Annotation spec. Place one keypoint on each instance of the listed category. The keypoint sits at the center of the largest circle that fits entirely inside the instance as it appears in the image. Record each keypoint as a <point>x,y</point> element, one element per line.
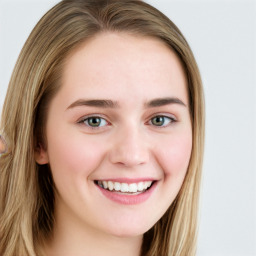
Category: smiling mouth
<point>125,188</point>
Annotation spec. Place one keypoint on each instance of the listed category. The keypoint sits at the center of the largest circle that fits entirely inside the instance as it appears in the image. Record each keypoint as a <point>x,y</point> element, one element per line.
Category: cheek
<point>174,155</point>
<point>73,155</point>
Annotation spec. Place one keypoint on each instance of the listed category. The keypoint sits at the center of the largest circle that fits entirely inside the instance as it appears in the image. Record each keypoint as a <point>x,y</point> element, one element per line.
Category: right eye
<point>94,122</point>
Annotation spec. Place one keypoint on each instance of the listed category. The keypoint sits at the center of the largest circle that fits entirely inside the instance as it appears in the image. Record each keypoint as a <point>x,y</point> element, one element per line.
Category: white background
<point>222,35</point>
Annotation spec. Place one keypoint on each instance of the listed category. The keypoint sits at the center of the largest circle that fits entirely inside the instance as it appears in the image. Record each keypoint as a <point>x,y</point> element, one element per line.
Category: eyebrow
<point>102,103</point>
<point>164,101</point>
<point>94,103</point>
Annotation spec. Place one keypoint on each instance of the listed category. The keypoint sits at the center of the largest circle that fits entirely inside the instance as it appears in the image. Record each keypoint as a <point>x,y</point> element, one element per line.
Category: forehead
<point>123,63</point>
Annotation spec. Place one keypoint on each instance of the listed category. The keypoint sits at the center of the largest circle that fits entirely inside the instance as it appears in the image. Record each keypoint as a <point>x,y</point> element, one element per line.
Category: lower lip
<point>128,199</point>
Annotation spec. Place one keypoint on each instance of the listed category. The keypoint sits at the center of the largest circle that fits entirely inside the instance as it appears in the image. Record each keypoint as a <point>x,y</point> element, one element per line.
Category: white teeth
<point>110,185</point>
<point>140,186</point>
<point>147,184</point>
<point>105,184</point>
<point>117,186</point>
<point>125,187</point>
<point>133,187</point>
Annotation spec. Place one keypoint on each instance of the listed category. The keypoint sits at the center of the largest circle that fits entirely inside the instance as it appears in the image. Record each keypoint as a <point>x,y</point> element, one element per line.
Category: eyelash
<point>86,120</point>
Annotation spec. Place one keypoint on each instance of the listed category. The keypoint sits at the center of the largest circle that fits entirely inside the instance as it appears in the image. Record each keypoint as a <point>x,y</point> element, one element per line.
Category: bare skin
<point>3,147</point>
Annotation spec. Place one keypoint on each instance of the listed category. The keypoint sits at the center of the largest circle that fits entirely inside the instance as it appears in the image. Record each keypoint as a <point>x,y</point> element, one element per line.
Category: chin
<point>128,230</point>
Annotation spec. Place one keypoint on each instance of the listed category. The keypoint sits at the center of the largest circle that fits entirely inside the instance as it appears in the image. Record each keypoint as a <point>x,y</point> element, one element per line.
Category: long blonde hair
<point>26,189</point>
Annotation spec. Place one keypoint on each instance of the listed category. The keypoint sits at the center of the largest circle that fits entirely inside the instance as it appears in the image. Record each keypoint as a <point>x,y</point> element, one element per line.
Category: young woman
<point>104,117</point>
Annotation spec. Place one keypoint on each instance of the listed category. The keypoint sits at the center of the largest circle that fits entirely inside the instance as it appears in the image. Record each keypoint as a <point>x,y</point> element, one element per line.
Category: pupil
<point>159,120</point>
<point>94,121</point>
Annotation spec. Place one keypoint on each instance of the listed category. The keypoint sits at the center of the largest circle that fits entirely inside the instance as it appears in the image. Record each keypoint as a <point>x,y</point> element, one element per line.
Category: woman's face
<point>119,134</point>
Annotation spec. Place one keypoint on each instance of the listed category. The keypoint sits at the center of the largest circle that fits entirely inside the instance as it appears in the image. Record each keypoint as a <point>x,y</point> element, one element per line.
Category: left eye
<point>95,121</point>
<point>161,120</point>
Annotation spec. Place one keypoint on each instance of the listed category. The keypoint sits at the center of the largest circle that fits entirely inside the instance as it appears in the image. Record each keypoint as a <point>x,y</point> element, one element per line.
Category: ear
<point>41,155</point>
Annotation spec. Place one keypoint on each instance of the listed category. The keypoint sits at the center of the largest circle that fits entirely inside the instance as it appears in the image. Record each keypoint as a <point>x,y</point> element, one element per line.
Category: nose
<point>129,148</point>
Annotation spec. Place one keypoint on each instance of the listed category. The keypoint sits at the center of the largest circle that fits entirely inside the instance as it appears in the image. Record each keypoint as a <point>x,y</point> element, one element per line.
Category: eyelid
<point>171,116</point>
<point>89,116</point>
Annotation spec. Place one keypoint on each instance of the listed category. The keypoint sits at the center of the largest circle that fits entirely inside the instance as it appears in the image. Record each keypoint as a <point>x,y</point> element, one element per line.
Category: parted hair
<point>26,188</point>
